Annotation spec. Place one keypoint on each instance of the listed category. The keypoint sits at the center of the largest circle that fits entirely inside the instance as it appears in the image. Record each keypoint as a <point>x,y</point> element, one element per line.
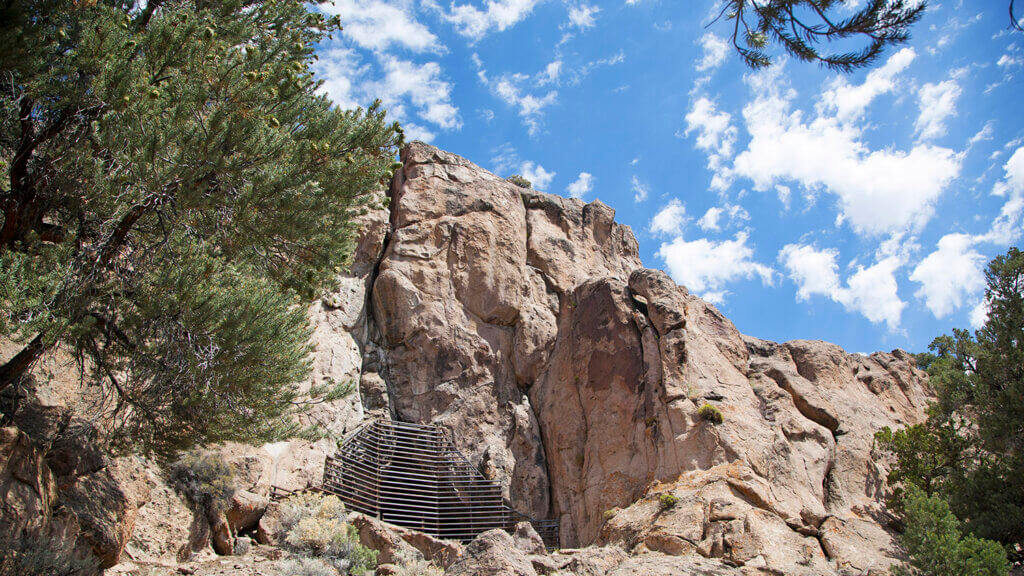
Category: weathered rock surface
<point>493,553</point>
<point>163,525</point>
<point>526,325</point>
<point>27,486</point>
<point>466,302</point>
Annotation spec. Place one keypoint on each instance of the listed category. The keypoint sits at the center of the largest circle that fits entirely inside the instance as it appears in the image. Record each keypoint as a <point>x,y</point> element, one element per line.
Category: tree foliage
<point>858,32</point>
<point>970,452</point>
<point>937,547</point>
<point>175,189</point>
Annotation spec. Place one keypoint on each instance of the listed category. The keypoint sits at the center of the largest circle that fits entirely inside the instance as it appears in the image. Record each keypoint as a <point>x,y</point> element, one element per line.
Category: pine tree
<point>970,452</point>
<point>802,27</point>
<point>176,189</point>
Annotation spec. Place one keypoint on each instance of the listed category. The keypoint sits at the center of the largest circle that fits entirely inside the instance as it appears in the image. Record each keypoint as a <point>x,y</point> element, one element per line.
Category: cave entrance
<point>412,475</point>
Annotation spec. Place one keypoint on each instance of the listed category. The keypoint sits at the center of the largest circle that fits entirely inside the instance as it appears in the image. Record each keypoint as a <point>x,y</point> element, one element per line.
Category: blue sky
<point>858,209</point>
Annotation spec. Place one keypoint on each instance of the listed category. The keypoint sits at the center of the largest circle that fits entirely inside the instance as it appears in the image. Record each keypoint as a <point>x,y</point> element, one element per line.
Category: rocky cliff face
<point>526,324</point>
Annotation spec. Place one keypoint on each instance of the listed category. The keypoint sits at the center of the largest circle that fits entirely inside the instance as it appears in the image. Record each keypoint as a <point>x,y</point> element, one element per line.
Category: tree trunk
<point>16,367</point>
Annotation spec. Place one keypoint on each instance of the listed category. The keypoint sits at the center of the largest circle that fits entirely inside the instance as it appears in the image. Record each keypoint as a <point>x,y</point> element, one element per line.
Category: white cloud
<point>577,75</point>
<point>404,84</point>
<point>706,266</point>
<point>716,136</point>
<point>340,68</point>
<point>715,50</point>
<point>414,131</point>
<point>582,16</point>
<point>979,315</point>
<point>551,73</point>
<point>498,15</point>
<point>1007,226</point>
<point>379,25</point>
<point>505,159</point>
<point>529,106</point>
<point>709,221</point>
<point>536,174</point>
<point>584,183</point>
<point>871,291</point>
<point>950,274</point>
<point>879,191</point>
<point>850,102</point>
<point>937,103</point>
<point>982,135</point>
<point>1008,61</point>
<point>510,89</point>
<point>422,85</point>
<point>814,271</point>
<point>785,193</point>
<point>714,130</point>
<point>640,190</point>
<point>669,220</point>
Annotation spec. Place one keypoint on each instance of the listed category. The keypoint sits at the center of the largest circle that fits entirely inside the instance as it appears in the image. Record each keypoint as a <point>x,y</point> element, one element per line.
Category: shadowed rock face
<point>525,324</point>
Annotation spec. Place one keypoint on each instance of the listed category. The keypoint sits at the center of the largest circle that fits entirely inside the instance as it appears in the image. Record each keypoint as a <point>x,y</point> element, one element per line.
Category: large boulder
<point>107,502</point>
<point>493,553</point>
<point>163,525</point>
<point>27,486</point>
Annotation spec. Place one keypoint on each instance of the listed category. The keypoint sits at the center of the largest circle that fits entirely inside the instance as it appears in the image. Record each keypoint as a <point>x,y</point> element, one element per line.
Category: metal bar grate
<point>412,475</point>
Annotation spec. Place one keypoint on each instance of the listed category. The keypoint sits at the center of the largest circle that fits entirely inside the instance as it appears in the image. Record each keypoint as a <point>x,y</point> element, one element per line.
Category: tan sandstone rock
<point>493,553</point>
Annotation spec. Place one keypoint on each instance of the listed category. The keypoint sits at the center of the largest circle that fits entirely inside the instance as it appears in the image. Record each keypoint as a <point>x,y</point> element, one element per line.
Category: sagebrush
<point>315,528</point>
<point>205,479</point>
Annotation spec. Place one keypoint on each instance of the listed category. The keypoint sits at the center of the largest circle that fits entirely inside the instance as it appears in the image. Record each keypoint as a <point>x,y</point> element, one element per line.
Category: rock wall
<point>525,324</point>
<point>467,297</point>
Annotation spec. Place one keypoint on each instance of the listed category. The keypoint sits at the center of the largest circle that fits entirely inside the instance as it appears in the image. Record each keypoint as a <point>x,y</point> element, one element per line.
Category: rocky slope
<point>526,324</point>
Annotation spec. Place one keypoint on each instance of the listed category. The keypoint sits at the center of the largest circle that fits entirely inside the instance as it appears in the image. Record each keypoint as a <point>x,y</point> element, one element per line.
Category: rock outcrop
<point>526,325</point>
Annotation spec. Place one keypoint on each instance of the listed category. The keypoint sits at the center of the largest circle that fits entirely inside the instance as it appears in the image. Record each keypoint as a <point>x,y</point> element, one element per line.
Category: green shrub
<point>936,546</point>
<point>42,556</point>
<point>361,559</point>
<point>205,479</point>
<point>610,513</point>
<point>710,413</point>
<point>520,181</point>
<point>668,501</point>
<point>315,527</point>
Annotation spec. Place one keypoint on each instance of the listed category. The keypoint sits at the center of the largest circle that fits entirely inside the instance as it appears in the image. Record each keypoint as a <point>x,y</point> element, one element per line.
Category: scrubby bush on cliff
<point>314,526</point>
<point>174,188</point>
<point>936,546</point>
<point>205,479</point>
<point>520,181</point>
<point>710,413</point>
<point>668,501</point>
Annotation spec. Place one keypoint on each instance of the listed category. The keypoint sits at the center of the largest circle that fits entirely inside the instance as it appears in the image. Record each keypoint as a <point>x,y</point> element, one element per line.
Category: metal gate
<point>412,475</point>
